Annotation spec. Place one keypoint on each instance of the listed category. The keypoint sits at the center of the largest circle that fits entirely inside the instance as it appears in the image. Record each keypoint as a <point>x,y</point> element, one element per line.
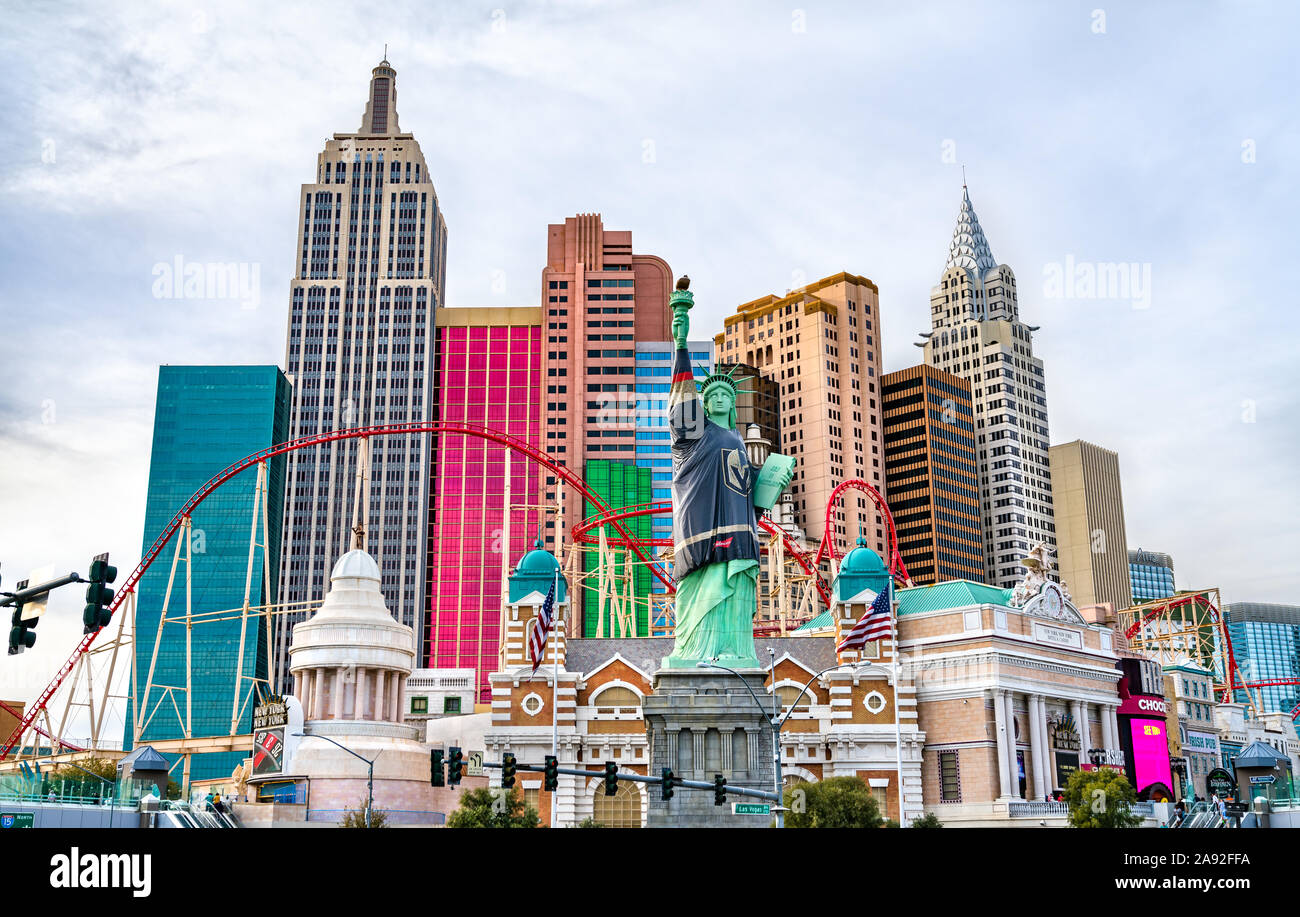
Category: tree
<point>493,807</point>
<point>589,822</point>
<point>65,780</point>
<point>928,820</point>
<point>1101,798</point>
<point>839,802</point>
<point>356,818</point>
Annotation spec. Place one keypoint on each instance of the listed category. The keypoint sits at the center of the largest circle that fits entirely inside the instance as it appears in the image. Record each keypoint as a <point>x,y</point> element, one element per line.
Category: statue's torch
<point>680,302</point>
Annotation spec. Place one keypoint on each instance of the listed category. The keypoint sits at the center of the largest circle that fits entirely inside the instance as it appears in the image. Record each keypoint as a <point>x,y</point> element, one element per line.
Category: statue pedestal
<point>702,722</point>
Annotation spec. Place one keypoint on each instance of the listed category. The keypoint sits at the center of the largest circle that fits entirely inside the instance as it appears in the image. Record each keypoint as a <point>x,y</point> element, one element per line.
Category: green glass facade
<point>619,484</point>
<point>207,417</point>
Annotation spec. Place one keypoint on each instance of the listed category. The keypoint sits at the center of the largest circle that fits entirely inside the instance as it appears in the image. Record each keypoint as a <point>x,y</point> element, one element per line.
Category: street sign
<point>17,820</point>
<point>474,764</point>
<point>751,808</point>
<point>1268,778</point>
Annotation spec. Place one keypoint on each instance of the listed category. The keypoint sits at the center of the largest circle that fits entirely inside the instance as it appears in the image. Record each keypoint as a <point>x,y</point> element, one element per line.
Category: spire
<point>969,248</point>
<point>380,118</point>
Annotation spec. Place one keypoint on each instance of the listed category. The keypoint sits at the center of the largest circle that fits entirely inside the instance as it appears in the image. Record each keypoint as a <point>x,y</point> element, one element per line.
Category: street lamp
<point>370,768</point>
<point>779,721</point>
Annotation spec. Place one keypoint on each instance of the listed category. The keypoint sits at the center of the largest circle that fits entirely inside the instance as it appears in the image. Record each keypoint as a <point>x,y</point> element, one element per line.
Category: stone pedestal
<point>702,722</point>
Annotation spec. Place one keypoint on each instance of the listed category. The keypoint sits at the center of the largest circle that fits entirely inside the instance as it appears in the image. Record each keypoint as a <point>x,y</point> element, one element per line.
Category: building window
<point>451,705</point>
<point>949,780</point>
<point>622,810</point>
<point>419,705</point>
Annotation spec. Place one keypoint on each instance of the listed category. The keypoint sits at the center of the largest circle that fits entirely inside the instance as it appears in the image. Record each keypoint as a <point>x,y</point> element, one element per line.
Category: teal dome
<point>535,573</point>
<point>862,568</point>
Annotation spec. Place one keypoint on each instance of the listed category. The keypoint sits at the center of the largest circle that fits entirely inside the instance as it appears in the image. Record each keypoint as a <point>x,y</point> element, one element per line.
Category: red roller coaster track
<point>464,429</point>
<point>1234,679</point>
<point>605,516</point>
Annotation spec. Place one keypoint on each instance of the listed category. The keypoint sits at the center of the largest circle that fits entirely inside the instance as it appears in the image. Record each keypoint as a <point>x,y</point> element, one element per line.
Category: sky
<point>755,146</point>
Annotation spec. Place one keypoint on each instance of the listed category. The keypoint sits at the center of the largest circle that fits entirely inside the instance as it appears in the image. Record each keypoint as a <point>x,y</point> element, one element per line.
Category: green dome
<point>863,560</point>
<point>862,568</point>
<point>535,573</point>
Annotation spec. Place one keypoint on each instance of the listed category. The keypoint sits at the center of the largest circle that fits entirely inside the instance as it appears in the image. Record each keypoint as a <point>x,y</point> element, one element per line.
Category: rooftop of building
<point>765,304</point>
<point>1150,558</point>
<point>586,654</point>
<point>1261,613</point>
<point>957,593</point>
<point>969,248</point>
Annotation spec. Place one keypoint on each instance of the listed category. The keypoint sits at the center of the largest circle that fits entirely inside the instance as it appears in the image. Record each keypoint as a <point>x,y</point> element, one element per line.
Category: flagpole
<point>555,687</point>
<point>898,731</point>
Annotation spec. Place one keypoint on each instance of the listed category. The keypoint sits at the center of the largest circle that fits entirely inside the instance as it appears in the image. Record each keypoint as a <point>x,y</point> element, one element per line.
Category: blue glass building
<point>1151,575</point>
<point>1266,643</point>
<point>207,417</point>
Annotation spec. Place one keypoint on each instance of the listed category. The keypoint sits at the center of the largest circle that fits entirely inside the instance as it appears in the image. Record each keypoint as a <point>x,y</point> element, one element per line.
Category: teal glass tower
<point>208,417</point>
<point>1266,643</point>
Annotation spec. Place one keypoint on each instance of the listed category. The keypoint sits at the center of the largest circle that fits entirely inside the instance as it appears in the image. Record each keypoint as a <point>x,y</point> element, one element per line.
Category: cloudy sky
<point>754,145</point>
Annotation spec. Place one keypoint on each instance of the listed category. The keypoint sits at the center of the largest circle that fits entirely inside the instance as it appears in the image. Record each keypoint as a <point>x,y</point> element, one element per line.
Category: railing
<point>104,801</point>
<point>1037,809</point>
<point>391,816</point>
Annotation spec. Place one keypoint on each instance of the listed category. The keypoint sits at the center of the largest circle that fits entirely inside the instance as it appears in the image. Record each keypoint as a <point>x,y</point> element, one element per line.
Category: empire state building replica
<point>370,273</point>
<point>976,333</point>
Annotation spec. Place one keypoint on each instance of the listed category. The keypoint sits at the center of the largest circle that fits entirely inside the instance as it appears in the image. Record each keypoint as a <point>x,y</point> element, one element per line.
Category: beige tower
<point>1092,550</point>
<point>821,345</point>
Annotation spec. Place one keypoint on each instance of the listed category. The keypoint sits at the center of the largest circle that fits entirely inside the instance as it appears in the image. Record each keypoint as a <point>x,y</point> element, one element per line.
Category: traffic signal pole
<point>638,778</point>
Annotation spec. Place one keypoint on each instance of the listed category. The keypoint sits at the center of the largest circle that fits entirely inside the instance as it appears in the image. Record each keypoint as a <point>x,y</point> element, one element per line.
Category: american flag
<point>871,626</point>
<point>541,627</point>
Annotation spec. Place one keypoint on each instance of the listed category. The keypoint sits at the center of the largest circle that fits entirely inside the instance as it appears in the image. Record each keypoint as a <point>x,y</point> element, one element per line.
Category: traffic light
<point>551,774</point>
<point>611,778</point>
<point>455,763</point>
<point>21,636</point>
<point>436,775</point>
<point>668,783</point>
<point>98,595</point>
<point>508,770</point>
<point>719,790</point>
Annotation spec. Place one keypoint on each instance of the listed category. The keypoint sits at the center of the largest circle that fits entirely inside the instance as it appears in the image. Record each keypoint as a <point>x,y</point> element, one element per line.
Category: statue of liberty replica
<point>717,499</point>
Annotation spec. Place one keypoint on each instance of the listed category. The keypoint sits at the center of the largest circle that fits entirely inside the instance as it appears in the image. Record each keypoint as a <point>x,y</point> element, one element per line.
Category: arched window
<point>788,693</point>
<point>622,810</point>
<point>616,700</point>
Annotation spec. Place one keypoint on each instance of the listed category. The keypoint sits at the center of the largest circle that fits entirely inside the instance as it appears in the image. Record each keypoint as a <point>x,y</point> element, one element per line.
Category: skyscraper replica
<point>370,275</point>
<point>821,345</point>
<point>976,333</point>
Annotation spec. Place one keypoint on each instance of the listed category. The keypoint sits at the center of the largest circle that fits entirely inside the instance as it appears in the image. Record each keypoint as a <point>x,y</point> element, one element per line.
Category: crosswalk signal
<point>98,595</point>
<point>436,775</point>
<point>455,764</point>
<point>719,790</point>
<point>508,767</point>
<point>668,783</point>
<point>551,774</point>
<point>611,778</point>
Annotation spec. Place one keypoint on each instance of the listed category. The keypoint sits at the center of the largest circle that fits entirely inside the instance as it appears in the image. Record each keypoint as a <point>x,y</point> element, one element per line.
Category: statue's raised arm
<point>685,409</point>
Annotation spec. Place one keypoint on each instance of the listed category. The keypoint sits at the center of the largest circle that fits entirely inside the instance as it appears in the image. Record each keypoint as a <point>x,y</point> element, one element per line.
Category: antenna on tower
<point>963,165</point>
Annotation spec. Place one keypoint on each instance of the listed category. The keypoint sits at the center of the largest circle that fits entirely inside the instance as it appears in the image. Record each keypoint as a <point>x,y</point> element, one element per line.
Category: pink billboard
<point>1150,753</point>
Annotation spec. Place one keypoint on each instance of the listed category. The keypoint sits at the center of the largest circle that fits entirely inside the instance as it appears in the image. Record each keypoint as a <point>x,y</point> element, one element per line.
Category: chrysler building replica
<point>370,272</point>
<point>976,333</point>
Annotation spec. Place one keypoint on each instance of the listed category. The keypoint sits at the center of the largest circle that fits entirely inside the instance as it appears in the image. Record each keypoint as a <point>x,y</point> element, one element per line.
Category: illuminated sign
<point>1144,706</point>
<point>1150,753</point>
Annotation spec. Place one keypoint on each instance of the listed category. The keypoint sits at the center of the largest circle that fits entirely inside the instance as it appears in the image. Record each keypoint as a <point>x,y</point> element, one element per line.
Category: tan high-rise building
<point>1092,550</point>
<point>821,345</point>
